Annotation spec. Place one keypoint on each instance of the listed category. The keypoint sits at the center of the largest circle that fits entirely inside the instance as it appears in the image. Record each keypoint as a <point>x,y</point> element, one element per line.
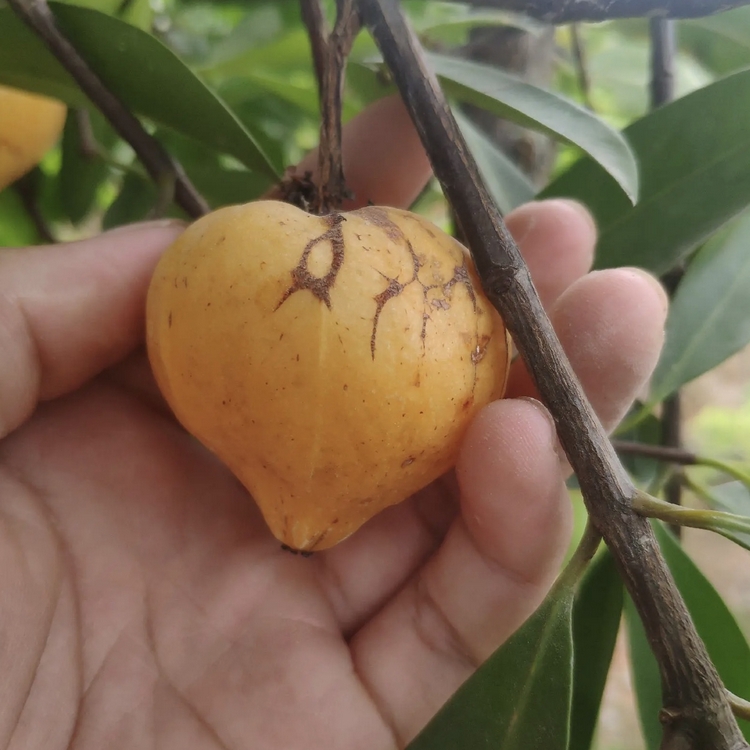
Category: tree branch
<point>696,712</point>
<point>573,11</point>
<point>159,164</point>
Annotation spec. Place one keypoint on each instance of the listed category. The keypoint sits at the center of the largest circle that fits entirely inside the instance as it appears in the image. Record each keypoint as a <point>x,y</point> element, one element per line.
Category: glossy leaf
<point>596,620</point>
<point>709,319</point>
<point>693,155</point>
<point>492,89</point>
<point>519,699</point>
<point>507,184</point>
<point>716,625</point>
<point>165,90</point>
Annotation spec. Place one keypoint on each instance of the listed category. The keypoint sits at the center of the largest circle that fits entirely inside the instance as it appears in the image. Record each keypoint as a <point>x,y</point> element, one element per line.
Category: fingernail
<point>542,409</point>
<point>579,209</point>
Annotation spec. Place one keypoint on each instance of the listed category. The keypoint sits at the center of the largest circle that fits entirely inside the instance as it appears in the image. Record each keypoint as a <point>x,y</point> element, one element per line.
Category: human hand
<point>144,602</point>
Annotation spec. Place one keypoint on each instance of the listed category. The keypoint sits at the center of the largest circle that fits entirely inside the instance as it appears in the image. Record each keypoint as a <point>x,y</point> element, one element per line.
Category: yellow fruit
<point>333,363</point>
<point>29,126</point>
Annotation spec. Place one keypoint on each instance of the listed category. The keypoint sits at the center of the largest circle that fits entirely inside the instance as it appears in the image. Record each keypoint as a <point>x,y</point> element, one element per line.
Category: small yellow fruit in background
<point>29,126</point>
<point>332,362</point>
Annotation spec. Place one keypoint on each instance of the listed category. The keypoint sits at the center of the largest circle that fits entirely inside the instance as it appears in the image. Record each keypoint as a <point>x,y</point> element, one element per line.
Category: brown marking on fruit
<point>377,216</point>
<point>461,276</point>
<point>301,276</point>
<point>393,289</point>
<point>169,319</point>
<point>441,304</point>
<point>408,462</point>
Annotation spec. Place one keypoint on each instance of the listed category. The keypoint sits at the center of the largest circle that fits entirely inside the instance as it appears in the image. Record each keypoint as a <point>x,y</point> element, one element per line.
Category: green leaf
<point>596,620</point>
<point>135,200</point>
<point>506,96</point>
<point>149,78</point>
<point>519,699</point>
<point>693,155</point>
<point>16,227</point>
<point>646,679</point>
<point>507,184</point>
<point>721,42</point>
<point>733,498</point>
<point>219,184</point>
<point>716,625</point>
<point>709,319</point>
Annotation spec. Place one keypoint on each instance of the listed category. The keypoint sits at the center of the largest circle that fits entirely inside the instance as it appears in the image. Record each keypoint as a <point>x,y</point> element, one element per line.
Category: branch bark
<point>573,11</point>
<point>161,166</point>
<point>696,714</point>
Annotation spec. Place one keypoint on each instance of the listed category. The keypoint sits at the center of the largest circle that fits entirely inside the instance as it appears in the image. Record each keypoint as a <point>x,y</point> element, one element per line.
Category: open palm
<point>144,602</point>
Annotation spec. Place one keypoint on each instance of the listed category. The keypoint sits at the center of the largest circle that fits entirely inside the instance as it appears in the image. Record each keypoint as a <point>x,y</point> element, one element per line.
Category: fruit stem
<point>330,52</point>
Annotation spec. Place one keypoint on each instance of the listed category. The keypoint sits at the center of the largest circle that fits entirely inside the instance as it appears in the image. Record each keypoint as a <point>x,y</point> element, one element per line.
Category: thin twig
<point>660,452</point>
<point>662,32</point>
<point>663,47</point>
<point>157,161</point>
<point>314,18</point>
<point>581,64</point>
<point>27,190</point>
<point>330,52</point>
<point>573,11</point>
<point>89,146</point>
<point>696,713</point>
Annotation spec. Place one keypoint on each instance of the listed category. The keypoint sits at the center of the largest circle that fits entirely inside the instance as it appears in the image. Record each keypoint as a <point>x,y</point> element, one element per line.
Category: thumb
<point>69,311</point>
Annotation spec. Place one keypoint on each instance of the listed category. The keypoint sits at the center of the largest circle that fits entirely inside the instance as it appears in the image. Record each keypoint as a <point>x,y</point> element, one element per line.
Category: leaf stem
<point>710,520</point>
<point>582,556</point>
<point>740,706</point>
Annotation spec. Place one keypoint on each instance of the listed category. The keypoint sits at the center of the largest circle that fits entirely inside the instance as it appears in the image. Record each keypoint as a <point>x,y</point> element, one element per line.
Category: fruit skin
<point>333,363</point>
<point>29,126</point>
